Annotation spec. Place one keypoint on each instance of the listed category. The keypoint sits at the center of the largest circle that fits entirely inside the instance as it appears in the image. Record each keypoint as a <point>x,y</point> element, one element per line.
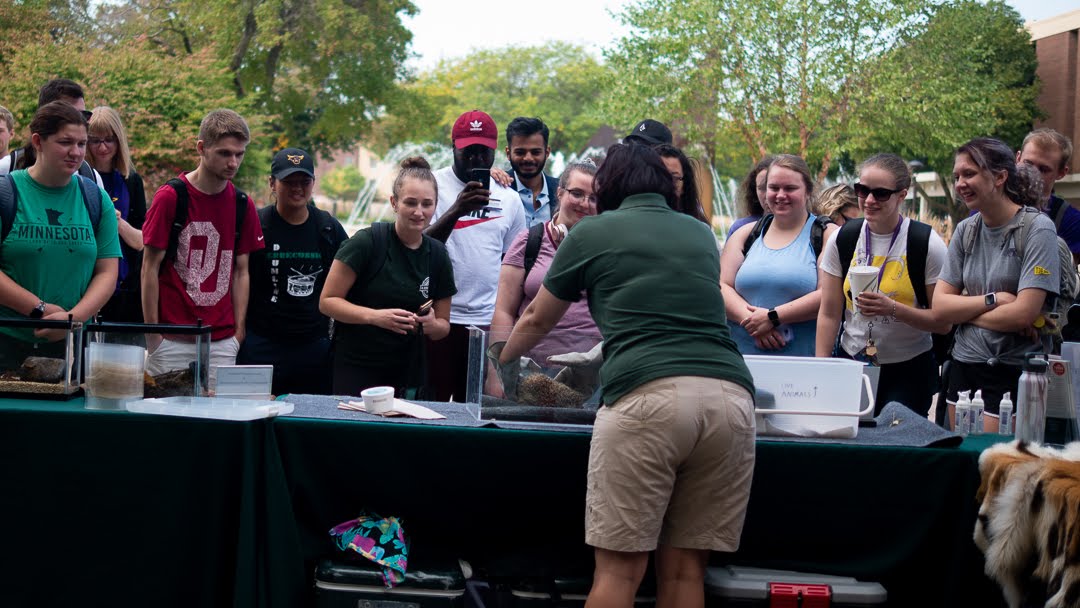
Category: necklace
<point>870,248</point>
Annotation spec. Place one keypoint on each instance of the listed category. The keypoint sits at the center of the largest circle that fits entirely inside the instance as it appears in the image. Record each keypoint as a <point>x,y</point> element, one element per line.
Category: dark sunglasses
<point>880,194</point>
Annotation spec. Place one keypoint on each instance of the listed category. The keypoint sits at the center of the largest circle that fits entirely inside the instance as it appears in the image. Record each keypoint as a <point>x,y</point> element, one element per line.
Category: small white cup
<point>378,399</point>
<point>862,278</point>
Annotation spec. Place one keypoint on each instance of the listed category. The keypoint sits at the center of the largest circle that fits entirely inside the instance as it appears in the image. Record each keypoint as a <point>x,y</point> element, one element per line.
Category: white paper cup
<point>862,278</point>
<point>378,399</point>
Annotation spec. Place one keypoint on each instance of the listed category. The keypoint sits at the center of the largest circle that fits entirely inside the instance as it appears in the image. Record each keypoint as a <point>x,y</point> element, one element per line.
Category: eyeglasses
<point>880,194</point>
<point>579,194</point>
<point>303,182</point>
<point>101,141</point>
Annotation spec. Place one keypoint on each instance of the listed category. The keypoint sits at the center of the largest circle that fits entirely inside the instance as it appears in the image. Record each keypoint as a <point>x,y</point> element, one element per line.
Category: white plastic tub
<point>808,396</point>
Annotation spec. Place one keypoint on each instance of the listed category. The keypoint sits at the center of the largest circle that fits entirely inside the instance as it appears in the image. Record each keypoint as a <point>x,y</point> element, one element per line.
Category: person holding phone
<point>478,219</point>
<point>388,288</point>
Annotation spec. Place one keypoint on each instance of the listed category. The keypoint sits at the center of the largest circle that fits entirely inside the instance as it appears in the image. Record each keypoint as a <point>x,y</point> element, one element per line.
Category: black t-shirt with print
<point>401,283</point>
<point>287,277</point>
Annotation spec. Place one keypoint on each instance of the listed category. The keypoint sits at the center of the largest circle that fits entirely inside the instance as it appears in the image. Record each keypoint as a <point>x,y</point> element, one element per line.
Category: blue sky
<point>445,29</point>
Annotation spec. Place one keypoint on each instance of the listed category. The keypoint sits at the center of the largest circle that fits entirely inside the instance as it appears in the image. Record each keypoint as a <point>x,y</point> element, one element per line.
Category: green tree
<point>778,75</point>
<point>321,70</point>
<point>342,183</point>
<point>969,72</point>
<point>559,82</point>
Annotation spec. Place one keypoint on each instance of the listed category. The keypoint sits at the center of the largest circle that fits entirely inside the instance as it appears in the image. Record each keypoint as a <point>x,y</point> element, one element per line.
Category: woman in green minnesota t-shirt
<point>380,327</point>
<point>54,262</point>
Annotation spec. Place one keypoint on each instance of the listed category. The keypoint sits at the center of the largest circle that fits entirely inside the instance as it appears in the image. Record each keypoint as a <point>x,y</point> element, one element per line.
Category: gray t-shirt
<point>995,266</point>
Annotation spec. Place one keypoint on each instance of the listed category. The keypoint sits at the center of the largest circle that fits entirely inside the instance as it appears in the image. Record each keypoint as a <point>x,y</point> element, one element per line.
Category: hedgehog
<point>538,389</point>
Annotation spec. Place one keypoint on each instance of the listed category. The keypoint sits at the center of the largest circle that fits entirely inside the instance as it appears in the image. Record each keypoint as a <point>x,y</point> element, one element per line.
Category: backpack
<point>180,219</point>
<point>532,247</point>
<point>817,233</point>
<point>1057,306</point>
<point>324,224</point>
<point>918,246</point>
<point>380,237</point>
<point>9,197</point>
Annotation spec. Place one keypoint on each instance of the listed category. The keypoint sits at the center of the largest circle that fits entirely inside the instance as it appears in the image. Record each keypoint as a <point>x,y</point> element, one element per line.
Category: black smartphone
<point>483,176</point>
<point>424,308</point>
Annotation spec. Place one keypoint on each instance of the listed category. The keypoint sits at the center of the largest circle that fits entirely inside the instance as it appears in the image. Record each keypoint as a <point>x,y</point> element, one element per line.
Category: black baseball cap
<point>649,132</point>
<point>292,160</point>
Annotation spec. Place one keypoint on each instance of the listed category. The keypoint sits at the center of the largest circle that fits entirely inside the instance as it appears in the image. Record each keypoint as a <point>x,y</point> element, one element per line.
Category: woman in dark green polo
<point>672,453</point>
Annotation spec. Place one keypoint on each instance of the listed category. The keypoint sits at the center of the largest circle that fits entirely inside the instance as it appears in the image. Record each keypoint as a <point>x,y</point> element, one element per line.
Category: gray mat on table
<point>326,407</point>
<point>897,426</point>
<point>909,430</point>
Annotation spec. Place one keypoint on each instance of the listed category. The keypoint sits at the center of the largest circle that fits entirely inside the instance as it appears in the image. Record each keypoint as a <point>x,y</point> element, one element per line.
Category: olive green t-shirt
<point>403,282</point>
<point>652,277</point>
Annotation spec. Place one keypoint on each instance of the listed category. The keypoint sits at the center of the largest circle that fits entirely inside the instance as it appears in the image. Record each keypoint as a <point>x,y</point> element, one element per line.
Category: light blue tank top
<point>771,277</point>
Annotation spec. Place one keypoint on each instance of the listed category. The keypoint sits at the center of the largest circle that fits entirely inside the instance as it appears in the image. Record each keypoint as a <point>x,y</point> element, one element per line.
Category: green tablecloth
<point>118,509</point>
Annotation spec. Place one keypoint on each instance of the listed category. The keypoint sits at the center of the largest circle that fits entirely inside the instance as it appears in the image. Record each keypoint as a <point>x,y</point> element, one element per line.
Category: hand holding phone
<point>425,308</point>
<point>483,176</point>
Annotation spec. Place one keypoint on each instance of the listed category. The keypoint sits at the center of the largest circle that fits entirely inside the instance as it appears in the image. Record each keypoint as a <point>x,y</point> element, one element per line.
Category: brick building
<point>1057,45</point>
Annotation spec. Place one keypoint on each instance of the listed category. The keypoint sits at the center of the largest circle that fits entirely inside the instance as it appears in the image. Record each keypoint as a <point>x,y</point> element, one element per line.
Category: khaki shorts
<point>671,462</point>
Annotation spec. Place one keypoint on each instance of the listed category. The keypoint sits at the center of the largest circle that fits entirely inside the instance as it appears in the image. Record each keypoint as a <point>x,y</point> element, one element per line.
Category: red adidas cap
<point>475,127</point>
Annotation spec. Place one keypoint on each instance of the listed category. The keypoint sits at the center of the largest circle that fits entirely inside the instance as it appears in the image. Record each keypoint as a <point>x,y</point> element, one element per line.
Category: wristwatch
<point>38,311</point>
<point>990,299</point>
<point>774,317</point>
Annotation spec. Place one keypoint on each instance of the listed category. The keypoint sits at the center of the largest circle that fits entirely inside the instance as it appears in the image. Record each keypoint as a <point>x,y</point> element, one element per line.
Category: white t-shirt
<point>896,341</point>
<point>476,247</point>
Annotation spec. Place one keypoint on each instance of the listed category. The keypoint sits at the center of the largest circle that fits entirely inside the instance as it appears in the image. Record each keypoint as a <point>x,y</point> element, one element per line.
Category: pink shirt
<point>576,331</point>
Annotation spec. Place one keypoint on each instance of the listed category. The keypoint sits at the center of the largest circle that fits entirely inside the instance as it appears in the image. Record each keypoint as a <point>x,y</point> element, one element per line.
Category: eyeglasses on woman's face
<point>101,141</point>
<point>578,195</point>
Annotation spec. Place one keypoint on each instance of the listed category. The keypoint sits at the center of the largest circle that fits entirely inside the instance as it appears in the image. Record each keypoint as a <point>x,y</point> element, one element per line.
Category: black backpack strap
<point>91,194</point>
<point>760,228</point>
<point>380,239</point>
<point>328,245</point>
<point>85,170</point>
<point>15,156</point>
<point>532,246</point>
<point>918,247</point>
<point>9,197</point>
<point>817,234</point>
<point>846,242</point>
<point>241,212</point>
<point>179,218</point>
<point>1057,210</point>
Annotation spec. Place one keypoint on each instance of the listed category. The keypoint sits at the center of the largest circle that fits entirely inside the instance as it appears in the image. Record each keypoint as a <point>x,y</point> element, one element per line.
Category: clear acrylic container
<point>32,369</point>
<point>558,380</point>
<point>112,347</point>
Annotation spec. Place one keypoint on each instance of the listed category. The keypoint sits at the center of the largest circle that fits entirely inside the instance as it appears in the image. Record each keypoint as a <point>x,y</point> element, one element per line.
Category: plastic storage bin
<point>218,408</point>
<point>734,586</point>
<point>821,396</point>
<point>31,369</point>
<point>346,584</point>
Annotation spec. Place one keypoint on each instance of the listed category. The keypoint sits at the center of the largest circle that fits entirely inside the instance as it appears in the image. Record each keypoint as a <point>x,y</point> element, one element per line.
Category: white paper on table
<point>400,408</point>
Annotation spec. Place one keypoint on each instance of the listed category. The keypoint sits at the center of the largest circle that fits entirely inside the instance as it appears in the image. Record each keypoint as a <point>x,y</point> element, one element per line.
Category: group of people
<point>622,250</point>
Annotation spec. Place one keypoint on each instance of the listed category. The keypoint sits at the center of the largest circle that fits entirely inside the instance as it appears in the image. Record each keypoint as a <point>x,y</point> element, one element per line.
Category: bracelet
<point>893,313</point>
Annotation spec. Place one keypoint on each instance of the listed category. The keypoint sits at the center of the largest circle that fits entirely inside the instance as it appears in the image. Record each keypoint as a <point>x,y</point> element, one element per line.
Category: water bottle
<point>1005,423</point>
<point>1031,401</point>
<point>963,414</point>
<point>975,417</point>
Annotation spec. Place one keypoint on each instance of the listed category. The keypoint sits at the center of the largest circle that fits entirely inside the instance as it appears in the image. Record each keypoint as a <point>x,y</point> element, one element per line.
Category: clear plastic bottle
<point>975,417</point>
<point>1005,420</point>
<point>963,414</point>
<point>1031,401</point>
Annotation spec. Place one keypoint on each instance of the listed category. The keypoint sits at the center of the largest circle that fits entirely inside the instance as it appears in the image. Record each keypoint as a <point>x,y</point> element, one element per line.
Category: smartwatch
<point>774,317</point>
<point>38,311</point>
<point>990,299</point>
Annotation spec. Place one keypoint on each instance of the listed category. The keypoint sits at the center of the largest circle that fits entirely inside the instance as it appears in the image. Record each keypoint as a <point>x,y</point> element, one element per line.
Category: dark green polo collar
<point>644,200</point>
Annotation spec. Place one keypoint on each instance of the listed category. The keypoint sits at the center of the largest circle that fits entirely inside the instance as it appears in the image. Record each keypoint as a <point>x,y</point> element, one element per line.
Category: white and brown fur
<point>1029,523</point>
